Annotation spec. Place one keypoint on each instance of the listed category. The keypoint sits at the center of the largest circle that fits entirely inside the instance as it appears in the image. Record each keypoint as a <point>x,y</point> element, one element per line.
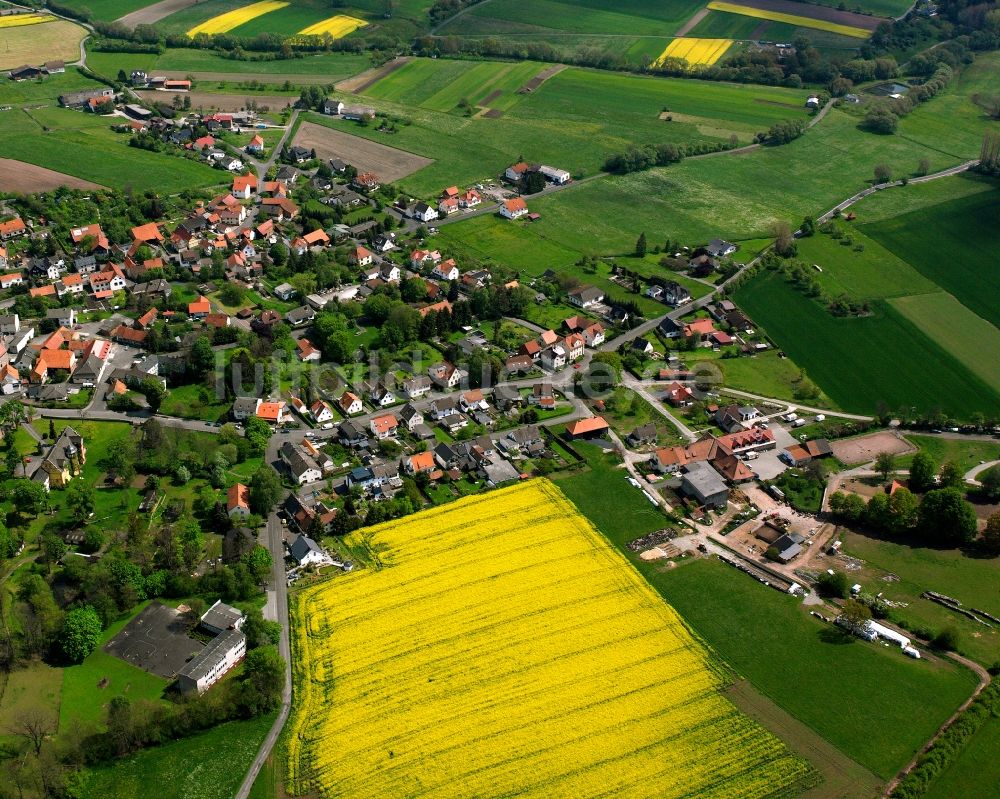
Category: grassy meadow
<point>920,568</point>
<point>575,120</point>
<point>208,765</point>
<point>976,770</point>
<point>864,362</point>
<point>108,10</point>
<point>332,66</point>
<point>872,703</point>
<point>589,16</point>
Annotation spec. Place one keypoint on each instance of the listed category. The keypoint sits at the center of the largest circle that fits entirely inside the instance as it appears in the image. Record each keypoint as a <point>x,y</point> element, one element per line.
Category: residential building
<point>213,662</point>
<point>238,501</point>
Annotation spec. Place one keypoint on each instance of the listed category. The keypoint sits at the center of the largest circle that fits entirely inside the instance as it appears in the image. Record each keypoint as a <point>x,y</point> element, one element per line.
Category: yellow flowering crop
<point>695,51</point>
<point>337,27</point>
<point>19,20</point>
<point>233,19</point>
<point>505,648</point>
<point>791,19</point>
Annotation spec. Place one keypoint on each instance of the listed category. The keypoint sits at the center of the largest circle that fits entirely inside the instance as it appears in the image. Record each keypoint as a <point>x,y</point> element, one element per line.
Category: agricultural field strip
<point>967,337</point>
<point>224,23</point>
<point>541,16</point>
<point>21,20</point>
<point>449,651</point>
<point>336,26</point>
<point>791,19</point>
<point>695,51</point>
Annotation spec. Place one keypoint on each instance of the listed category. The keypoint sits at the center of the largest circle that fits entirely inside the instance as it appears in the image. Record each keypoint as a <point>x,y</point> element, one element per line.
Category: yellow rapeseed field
<point>695,51</point>
<point>337,27</point>
<point>791,19</point>
<point>19,20</point>
<point>233,19</point>
<point>504,648</point>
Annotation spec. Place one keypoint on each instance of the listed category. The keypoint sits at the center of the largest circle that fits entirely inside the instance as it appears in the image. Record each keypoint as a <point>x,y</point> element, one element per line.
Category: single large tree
<point>265,490</point>
<point>80,634</point>
<point>946,517</point>
<point>922,473</point>
<point>885,465</point>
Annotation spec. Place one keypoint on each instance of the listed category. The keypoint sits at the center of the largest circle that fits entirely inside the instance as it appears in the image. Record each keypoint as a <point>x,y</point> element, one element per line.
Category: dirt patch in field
<point>540,78</point>
<point>778,103</point>
<point>17,176</point>
<point>388,163</point>
<point>359,84</point>
<point>843,778</point>
<point>760,30</point>
<point>493,113</point>
<point>489,98</point>
<point>221,102</point>
<point>154,13</point>
<point>274,79</point>
<point>866,448</point>
<point>814,12</point>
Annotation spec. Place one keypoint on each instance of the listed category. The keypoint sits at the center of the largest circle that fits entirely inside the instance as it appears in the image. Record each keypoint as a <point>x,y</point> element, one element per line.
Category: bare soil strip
<point>359,84</point>
<point>540,78</point>
<point>866,448</point>
<point>693,22</point>
<point>862,21</point>
<point>154,13</point>
<point>388,163</point>
<point>843,778</point>
<point>221,102</point>
<point>270,78</point>
<point>17,176</point>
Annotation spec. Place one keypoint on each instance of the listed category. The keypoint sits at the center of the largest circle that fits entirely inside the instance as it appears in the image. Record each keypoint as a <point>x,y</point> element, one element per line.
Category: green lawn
<point>604,496</point>
<point>34,688</point>
<point>766,374</point>
<point>971,580</point>
<point>976,770</point>
<point>89,686</point>
<point>862,362</point>
<point>194,402</point>
<point>209,765</point>
<point>872,703</point>
<point>966,452</point>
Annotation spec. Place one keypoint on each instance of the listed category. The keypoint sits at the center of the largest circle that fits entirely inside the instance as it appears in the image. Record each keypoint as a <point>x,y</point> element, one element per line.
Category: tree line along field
<point>507,657</point>
<point>574,120</point>
<point>331,67</point>
<point>864,362</point>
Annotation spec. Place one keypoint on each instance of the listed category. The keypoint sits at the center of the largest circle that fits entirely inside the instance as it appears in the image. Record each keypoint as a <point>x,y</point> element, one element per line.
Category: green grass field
<point>189,402</point>
<point>88,687</point>
<point>84,146</point>
<point>209,765</point>
<point>575,120</point>
<point>34,91</point>
<point>875,272</point>
<point>976,770</point>
<point>862,362</point>
<point>946,242</point>
<point>970,339</point>
<point>331,66</point>
<point>293,18</point>
<point>966,452</point>
<point>587,16</point>
<point>108,10</point>
<point>604,496</point>
<point>439,85</point>
<point>872,703</point>
<point>35,688</point>
<point>971,580</point>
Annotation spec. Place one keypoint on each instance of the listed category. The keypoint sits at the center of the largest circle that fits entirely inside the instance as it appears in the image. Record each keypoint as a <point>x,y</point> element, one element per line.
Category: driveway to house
<point>972,475</point>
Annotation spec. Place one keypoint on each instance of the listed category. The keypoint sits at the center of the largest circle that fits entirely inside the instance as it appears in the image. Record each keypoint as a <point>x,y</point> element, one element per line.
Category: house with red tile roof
<point>514,208</point>
<point>587,428</point>
<point>272,412</point>
<point>238,501</point>
<point>200,307</point>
